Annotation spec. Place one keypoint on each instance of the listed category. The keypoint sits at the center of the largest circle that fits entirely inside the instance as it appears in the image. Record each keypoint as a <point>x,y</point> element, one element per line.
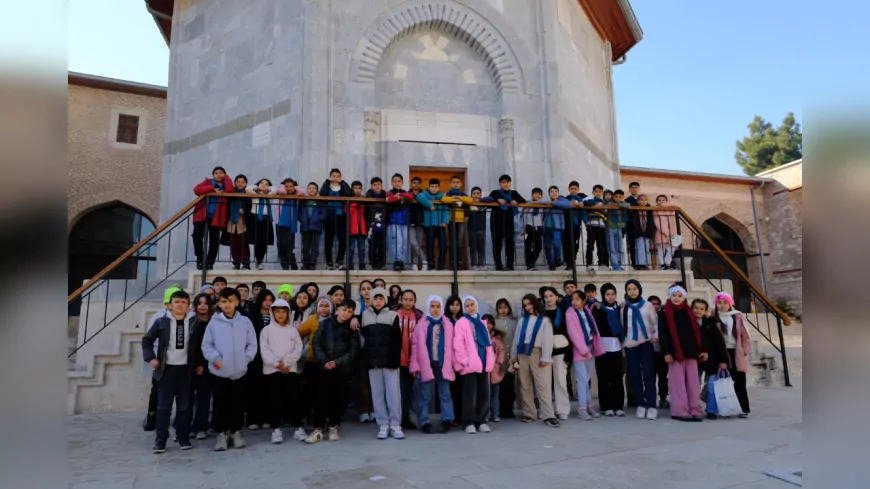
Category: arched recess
<point>91,202</point>
<point>447,15</point>
<point>100,236</point>
<point>732,237</point>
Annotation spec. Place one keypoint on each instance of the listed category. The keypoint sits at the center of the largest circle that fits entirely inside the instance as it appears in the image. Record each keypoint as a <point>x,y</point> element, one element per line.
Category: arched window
<point>708,265</point>
<point>100,237</point>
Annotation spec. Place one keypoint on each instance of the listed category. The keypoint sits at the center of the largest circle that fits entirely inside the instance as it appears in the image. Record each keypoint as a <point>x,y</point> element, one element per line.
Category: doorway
<point>444,175</point>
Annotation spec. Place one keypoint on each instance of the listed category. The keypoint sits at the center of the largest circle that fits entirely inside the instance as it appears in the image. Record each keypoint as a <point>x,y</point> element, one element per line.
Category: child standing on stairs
<point>680,336</point>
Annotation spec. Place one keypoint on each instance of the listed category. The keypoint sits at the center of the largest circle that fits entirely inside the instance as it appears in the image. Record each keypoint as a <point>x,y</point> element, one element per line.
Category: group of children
<point>410,219</point>
<point>297,359</point>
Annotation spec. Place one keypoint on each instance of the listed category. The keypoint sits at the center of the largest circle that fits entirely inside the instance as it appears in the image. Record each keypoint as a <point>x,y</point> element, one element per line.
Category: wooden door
<point>444,176</point>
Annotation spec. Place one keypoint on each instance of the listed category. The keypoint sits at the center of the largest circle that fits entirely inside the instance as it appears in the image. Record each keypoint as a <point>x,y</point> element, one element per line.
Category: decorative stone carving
<point>506,126</point>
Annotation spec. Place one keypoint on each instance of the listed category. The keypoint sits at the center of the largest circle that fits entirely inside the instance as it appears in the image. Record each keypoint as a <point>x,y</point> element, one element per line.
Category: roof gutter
<point>157,13</point>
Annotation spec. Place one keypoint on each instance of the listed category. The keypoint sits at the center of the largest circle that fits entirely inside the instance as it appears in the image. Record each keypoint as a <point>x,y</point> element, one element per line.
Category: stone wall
<point>786,229</point>
<point>103,171</point>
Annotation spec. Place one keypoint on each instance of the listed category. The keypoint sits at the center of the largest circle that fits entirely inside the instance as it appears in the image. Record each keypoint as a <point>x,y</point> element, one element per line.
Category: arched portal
<point>708,265</point>
<point>102,235</point>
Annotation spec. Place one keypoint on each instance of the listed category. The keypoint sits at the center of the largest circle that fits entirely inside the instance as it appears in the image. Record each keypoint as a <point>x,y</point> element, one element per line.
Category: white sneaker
<point>652,414</point>
<point>471,429</point>
<point>609,413</point>
<point>584,415</point>
<point>315,436</point>
<point>221,443</point>
<point>267,426</point>
<point>484,428</point>
<point>364,418</point>
<point>620,413</point>
<point>641,413</point>
<point>300,434</point>
<point>333,433</point>
<point>425,265</point>
<point>590,269</point>
<point>238,441</point>
<point>397,433</point>
<point>261,266</point>
<point>253,427</point>
<point>201,435</point>
<point>384,432</point>
<point>277,436</point>
<point>604,267</point>
<point>592,412</point>
<point>562,417</point>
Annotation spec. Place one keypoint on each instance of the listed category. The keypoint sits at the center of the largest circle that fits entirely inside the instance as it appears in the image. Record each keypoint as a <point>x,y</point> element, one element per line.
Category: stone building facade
<point>102,170</point>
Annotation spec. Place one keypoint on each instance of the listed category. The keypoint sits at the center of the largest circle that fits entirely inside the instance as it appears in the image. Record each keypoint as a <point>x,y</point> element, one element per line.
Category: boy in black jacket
<point>376,217</point>
<point>336,218</point>
<point>178,356</point>
<point>476,219</point>
<point>502,222</point>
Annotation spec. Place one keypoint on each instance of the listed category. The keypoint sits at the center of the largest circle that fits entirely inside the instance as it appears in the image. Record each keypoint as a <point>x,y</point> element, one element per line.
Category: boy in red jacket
<point>358,229</point>
<point>210,214</point>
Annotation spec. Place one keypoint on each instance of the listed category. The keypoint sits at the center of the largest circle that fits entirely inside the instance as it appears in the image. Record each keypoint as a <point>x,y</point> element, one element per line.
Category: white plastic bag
<point>726,399</point>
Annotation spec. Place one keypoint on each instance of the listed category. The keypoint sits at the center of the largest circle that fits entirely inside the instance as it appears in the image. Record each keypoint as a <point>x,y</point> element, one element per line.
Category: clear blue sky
<point>687,92</point>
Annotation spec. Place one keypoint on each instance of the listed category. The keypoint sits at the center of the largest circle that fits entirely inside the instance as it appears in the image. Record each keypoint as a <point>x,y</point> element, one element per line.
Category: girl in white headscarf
<point>432,363</point>
<point>473,358</point>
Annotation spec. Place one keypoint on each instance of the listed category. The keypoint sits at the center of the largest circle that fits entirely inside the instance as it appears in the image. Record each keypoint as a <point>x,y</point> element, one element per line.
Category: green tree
<point>767,146</point>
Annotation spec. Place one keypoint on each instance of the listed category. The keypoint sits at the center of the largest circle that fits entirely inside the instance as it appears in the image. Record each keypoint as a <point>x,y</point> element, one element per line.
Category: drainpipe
<point>156,13</point>
<point>544,80</point>
<point>758,236</point>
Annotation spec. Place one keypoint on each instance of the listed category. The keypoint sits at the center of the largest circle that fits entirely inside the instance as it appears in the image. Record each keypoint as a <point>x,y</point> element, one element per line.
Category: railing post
<point>782,350</point>
<point>573,251</point>
<point>682,250</point>
<point>347,248</point>
<point>204,277</point>
<point>454,253</point>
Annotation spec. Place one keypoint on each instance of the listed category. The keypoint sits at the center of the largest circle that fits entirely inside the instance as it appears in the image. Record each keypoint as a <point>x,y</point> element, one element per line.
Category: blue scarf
<point>482,337</point>
<point>613,318</point>
<point>430,338</point>
<point>586,318</point>
<point>558,321</point>
<point>507,202</point>
<point>264,207</point>
<point>521,350</point>
<point>636,319</point>
<point>454,192</point>
<point>212,203</point>
<point>235,205</point>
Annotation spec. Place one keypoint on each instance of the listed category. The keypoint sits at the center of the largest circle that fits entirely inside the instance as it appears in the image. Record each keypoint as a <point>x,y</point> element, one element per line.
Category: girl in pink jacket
<point>432,363</point>
<point>738,344</point>
<point>586,342</point>
<point>473,358</point>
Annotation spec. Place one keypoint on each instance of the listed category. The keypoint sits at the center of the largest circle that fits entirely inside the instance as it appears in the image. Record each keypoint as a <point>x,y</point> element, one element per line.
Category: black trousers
<point>596,237</point>
<point>228,404</point>
<point>611,391</point>
<point>174,387</point>
<point>310,245</point>
<point>475,398</point>
<point>378,250</point>
<point>438,233</point>
<point>336,227</point>
<point>283,399</point>
<point>214,241</point>
<point>406,387</point>
<point>333,389</point>
<point>503,237</point>
<point>534,243</point>
<point>507,396</point>
<point>256,395</point>
<point>456,395</point>
<point>286,247</point>
<point>308,388</point>
<point>261,239</point>
<point>570,244</point>
<point>662,374</point>
<point>739,379</point>
<point>631,240</point>
<point>477,247</point>
<point>152,398</point>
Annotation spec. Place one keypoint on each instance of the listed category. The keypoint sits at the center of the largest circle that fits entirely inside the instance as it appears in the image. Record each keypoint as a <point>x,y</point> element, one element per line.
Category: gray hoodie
<point>233,342</point>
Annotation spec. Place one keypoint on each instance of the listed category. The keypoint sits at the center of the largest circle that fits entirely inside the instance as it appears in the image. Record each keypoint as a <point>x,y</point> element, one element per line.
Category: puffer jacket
<point>382,338</point>
<point>421,359</point>
<point>399,214</point>
<point>437,217</point>
<point>334,341</point>
<point>465,357</point>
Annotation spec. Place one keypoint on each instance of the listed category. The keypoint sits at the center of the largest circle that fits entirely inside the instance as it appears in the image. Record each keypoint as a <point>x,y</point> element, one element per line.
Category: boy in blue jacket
<point>436,216</point>
<point>616,221</point>
<point>229,345</point>
<point>311,218</point>
<point>287,225</point>
<point>399,217</point>
<point>554,225</point>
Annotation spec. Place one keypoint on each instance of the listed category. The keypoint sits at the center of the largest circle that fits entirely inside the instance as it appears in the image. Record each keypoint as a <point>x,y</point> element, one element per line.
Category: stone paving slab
<point>111,451</point>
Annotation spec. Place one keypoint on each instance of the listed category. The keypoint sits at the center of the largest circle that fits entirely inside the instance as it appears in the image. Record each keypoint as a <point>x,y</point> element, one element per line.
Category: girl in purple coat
<point>432,363</point>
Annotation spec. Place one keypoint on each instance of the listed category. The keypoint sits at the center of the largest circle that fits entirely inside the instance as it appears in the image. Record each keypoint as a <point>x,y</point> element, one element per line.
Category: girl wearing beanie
<point>680,336</point>
<point>730,322</point>
<point>640,323</point>
<point>608,367</point>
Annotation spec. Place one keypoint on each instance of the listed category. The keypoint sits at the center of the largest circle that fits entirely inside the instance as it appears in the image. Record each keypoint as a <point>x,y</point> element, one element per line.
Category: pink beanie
<point>726,296</point>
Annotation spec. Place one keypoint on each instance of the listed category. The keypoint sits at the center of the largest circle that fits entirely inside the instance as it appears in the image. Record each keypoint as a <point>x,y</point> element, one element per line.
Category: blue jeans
<point>582,368</point>
<point>202,402</point>
<point>397,234</point>
<point>642,372</point>
<point>712,407</point>
<point>614,246</point>
<point>433,233</point>
<point>360,242</point>
<point>494,391</point>
<point>641,248</point>
<point>552,245</point>
<point>425,391</point>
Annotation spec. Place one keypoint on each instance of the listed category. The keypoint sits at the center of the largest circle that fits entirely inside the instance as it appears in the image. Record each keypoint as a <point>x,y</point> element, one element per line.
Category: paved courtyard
<point>111,451</point>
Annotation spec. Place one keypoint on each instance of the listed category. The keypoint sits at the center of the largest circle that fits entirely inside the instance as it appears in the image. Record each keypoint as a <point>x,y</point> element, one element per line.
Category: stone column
<point>372,119</point>
<point>506,127</point>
